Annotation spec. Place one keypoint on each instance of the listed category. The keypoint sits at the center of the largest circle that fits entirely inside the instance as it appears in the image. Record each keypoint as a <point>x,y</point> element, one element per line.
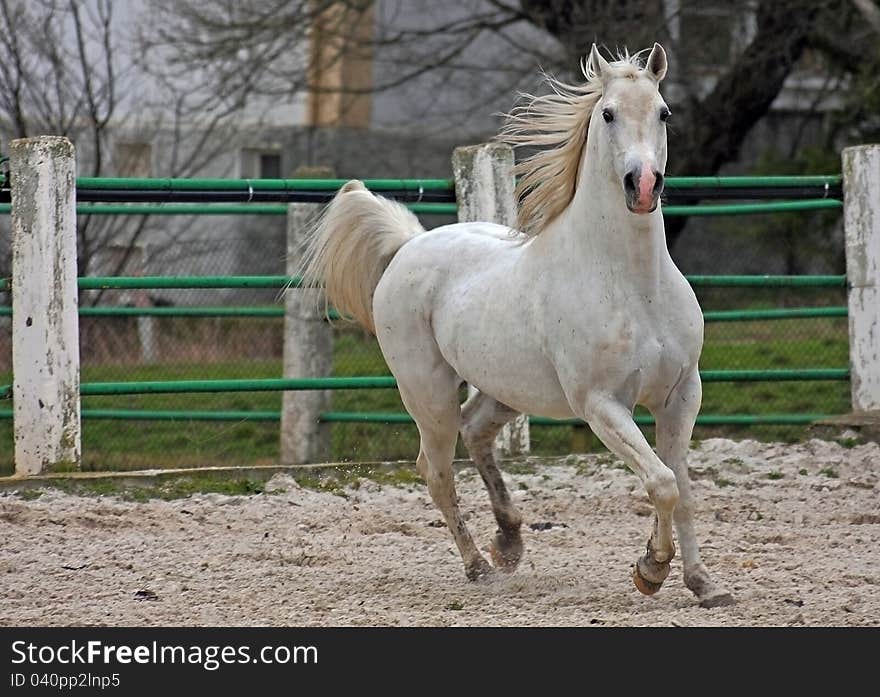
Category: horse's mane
<point>558,123</point>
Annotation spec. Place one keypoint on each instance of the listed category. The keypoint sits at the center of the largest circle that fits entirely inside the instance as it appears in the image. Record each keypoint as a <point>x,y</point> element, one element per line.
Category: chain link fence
<point>165,348</point>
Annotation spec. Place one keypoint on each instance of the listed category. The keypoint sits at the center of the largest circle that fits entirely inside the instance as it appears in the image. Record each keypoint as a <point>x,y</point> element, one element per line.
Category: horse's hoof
<point>505,552</point>
<point>709,593</point>
<point>720,598</point>
<point>649,574</point>
<point>645,586</point>
<point>479,570</point>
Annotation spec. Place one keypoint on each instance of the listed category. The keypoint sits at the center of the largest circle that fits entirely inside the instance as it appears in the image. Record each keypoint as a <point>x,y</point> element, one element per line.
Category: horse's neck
<point>597,231</point>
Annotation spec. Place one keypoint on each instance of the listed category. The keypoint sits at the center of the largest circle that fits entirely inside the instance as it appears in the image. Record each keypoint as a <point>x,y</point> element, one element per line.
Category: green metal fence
<point>146,401</point>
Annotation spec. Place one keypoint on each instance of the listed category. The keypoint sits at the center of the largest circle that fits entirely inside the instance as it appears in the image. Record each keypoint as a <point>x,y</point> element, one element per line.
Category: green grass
<point>123,445</point>
<point>334,481</point>
<point>177,488</point>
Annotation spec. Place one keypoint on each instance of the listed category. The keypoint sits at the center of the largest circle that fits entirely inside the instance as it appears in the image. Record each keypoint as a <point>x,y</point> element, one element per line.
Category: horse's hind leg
<point>482,419</point>
<point>431,397</point>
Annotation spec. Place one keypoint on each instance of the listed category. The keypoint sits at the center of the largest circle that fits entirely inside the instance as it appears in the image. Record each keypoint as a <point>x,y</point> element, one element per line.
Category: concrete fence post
<point>484,188</point>
<point>45,319</point>
<point>308,352</point>
<point>861,221</point>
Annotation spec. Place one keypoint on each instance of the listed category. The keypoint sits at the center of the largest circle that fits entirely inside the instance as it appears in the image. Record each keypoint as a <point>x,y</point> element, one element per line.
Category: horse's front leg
<point>675,424</point>
<point>612,422</point>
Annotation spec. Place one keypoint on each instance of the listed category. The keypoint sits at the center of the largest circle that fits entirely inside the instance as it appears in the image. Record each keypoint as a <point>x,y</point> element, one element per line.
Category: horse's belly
<point>494,346</point>
<point>530,388</point>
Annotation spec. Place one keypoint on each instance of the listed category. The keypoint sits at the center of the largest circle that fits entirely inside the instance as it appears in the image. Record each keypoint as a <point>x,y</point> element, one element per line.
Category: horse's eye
<point>665,114</point>
<point>607,115</point>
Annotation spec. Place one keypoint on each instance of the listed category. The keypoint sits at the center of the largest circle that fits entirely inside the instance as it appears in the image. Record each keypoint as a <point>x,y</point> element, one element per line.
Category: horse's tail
<point>352,244</point>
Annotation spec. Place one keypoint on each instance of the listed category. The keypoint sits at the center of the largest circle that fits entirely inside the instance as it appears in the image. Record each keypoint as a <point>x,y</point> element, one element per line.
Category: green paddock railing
<point>753,208</point>
<point>218,208</point>
<point>738,281</point>
<point>759,182</point>
<point>427,208</point>
<point>214,184</point>
<point>274,311</point>
<point>404,418</point>
<point>200,311</point>
<point>774,314</point>
<point>812,186</point>
<point>177,282</point>
<point>281,282</point>
<point>699,187</point>
<point>359,383</point>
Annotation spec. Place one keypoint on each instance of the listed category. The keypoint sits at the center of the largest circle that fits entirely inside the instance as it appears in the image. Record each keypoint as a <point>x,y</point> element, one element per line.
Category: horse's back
<point>460,286</point>
<point>435,262</point>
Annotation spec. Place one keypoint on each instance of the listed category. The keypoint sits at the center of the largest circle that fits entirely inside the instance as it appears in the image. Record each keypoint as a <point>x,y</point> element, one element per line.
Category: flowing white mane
<point>558,123</point>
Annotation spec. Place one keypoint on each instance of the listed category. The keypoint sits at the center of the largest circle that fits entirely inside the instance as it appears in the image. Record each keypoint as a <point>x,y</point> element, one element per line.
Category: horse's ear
<point>598,65</point>
<point>656,63</point>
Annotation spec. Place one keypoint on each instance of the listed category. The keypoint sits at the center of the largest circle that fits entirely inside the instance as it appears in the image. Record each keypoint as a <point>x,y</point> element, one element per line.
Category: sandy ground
<point>792,530</point>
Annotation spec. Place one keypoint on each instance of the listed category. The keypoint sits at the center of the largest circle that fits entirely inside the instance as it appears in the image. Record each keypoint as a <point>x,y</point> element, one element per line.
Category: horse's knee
<point>662,488</point>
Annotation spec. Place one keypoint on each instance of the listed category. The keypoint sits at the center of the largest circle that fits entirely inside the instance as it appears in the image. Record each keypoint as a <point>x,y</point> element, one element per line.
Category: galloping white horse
<point>581,313</point>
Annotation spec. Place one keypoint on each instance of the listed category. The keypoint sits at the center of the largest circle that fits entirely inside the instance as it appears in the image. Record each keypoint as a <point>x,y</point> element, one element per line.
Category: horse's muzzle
<point>642,189</point>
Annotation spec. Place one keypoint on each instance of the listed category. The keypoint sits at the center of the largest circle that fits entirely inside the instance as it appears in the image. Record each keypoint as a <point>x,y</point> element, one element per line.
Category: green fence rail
<point>359,383</point>
<point>218,208</point>
<point>426,208</point>
<point>276,311</point>
<point>753,208</point>
<point>770,182</point>
<point>773,314</point>
<point>404,418</point>
<point>213,184</point>
<point>279,282</point>
<point>769,281</point>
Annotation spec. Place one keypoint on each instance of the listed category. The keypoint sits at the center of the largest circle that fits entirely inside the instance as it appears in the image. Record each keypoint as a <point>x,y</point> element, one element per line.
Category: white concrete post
<point>308,352</point>
<point>45,319</point>
<point>484,187</point>
<point>861,221</point>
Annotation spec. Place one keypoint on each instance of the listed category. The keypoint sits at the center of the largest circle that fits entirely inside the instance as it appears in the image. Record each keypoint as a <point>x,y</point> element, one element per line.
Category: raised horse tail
<point>352,244</point>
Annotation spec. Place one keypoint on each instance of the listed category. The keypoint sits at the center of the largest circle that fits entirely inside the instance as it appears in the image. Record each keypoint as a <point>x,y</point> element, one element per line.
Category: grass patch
<point>775,475</point>
<point>519,467</point>
<point>169,490</point>
<point>829,472</point>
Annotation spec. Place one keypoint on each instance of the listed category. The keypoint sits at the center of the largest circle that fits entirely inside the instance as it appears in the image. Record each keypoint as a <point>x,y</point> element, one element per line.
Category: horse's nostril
<point>658,183</point>
<point>629,182</point>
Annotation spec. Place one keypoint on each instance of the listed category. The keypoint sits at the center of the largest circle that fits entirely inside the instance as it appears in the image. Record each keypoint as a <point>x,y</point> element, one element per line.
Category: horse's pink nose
<point>643,186</point>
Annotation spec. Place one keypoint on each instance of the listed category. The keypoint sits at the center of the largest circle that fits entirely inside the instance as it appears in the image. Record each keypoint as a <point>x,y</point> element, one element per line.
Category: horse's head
<point>629,123</point>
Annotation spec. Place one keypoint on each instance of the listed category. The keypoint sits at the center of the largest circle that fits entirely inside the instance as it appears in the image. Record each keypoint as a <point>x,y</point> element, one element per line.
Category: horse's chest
<point>641,359</point>
<point>637,343</point>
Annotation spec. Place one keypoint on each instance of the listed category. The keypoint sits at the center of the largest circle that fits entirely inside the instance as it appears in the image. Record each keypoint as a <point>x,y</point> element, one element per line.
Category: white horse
<point>582,313</point>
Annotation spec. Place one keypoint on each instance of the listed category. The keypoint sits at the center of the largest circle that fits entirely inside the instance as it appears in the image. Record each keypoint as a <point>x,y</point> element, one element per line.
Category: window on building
<point>260,164</point>
<point>270,166</point>
<point>134,159</point>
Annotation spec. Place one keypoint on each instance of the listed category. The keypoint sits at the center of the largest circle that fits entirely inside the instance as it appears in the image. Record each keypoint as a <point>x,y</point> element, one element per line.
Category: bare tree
<point>54,85</point>
<point>69,70</point>
<point>211,61</point>
<point>248,50</point>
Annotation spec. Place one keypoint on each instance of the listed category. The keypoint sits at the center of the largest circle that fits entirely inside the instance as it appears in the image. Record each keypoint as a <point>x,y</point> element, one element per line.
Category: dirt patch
<point>792,530</point>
